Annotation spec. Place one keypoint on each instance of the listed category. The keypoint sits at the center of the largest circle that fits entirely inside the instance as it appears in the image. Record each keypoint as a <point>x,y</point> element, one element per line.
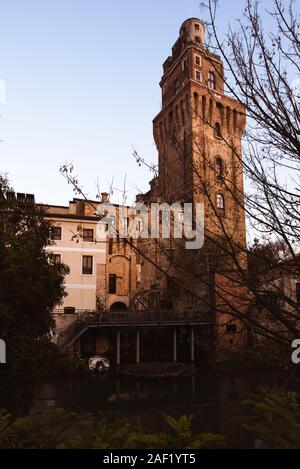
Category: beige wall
<point>81,288</point>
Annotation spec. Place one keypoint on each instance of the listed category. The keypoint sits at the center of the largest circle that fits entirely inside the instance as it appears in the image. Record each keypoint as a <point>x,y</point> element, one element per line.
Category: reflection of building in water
<point>207,396</point>
<point>232,390</point>
<point>45,398</point>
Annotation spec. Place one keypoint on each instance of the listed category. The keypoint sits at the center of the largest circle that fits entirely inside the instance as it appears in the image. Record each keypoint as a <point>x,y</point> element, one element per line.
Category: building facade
<point>198,134</point>
<point>102,270</point>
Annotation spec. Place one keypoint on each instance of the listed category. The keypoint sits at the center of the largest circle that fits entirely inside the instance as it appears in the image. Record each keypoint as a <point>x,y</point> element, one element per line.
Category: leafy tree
<point>179,436</point>
<point>275,418</point>
<point>58,429</point>
<point>31,286</point>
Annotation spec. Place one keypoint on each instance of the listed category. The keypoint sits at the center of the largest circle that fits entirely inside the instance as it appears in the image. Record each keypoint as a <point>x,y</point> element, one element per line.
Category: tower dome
<point>194,29</point>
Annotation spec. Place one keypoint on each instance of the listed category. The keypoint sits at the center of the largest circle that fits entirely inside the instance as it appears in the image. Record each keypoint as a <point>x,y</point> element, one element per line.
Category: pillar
<point>137,346</point>
<point>193,385</point>
<point>118,389</point>
<point>118,348</point>
<point>174,345</point>
<point>192,344</point>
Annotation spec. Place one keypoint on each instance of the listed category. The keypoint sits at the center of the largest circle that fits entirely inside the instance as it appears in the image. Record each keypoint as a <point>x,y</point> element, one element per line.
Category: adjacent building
<point>102,270</point>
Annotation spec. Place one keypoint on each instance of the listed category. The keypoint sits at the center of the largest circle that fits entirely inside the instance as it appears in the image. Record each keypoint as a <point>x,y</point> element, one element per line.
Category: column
<point>118,389</point>
<point>192,344</point>
<point>193,385</point>
<point>118,348</point>
<point>174,345</point>
<point>137,345</point>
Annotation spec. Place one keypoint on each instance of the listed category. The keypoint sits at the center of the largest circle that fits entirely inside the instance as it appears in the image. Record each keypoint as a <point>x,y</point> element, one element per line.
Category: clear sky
<point>82,85</point>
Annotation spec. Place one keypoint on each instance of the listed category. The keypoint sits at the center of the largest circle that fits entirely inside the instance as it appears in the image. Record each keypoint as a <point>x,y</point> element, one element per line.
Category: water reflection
<point>213,399</point>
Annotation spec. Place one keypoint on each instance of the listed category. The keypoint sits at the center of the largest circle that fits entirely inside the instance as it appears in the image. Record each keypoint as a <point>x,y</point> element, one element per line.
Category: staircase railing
<point>83,318</point>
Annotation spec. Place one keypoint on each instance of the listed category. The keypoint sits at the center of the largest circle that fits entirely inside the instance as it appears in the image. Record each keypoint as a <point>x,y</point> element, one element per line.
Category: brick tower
<point>198,135</point>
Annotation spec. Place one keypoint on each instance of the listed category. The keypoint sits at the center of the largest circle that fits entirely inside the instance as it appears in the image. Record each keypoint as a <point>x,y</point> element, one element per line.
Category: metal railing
<point>83,319</point>
<point>138,316</point>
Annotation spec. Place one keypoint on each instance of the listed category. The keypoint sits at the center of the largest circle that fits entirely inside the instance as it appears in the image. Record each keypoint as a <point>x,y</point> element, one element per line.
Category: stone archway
<point>118,306</point>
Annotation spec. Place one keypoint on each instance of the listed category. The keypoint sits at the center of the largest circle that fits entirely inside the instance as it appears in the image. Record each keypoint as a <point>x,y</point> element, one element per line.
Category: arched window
<point>219,168</point>
<point>176,86</point>
<point>196,101</point>
<point>217,130</point>
<point>211,81</point>
<point>220,204</point>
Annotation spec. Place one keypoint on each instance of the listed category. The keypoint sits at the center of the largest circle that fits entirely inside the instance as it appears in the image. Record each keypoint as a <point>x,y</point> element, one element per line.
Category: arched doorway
<point>118,306</point>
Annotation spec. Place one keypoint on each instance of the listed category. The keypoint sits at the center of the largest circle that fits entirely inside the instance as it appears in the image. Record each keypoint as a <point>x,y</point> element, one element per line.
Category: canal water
<point>215,400</point>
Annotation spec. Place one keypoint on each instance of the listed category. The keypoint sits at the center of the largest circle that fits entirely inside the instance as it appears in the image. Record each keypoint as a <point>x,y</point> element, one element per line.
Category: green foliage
<point>40,431</point>
<point>31,286</point>
<point>57,429</point>
<point>102,431</point>
<point>7,435</point>
<point>179,436</point>
<point>275,418</point>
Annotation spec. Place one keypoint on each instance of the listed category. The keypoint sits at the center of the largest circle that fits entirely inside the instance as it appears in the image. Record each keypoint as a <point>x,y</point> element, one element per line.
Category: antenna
<point>98,195</point>
<point>123,191</point>
<point>111,189</point>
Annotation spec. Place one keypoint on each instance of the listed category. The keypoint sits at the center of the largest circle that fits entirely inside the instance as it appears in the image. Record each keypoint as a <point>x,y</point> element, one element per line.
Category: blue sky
<point>82,85</point>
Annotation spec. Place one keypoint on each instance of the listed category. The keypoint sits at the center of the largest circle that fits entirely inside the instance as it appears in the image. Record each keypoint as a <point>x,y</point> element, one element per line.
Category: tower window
<point>196,101</point>
<point>197,27</point>
<point>217,130</point>
<point>176,86</point>
<point>184,64</point>
<point>211,81</point>
<point>197,39</point>
<point>219,168</point>
<point>197,60</point>
<point>164,90</point>
<point>298,293</point>
<point>182,112</point>
<point>87,265</point>
<point>231,328</point>
<point>197,75</point>
<point>112,284</point>
<point>221,204</point>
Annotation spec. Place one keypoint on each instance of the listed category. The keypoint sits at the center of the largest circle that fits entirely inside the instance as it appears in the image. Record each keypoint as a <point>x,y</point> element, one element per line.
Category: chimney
<point>104,197</point>
<point>30,199</point>
<point>80,208</point>
<point>21,198</point>
<point>11,196</point>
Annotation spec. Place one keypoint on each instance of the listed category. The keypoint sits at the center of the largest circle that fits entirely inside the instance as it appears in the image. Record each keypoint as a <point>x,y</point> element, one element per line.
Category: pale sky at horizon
<point>82,86</point>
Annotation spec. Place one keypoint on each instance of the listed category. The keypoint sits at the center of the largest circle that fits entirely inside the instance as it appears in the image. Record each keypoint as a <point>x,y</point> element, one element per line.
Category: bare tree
<point>261,68</point>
